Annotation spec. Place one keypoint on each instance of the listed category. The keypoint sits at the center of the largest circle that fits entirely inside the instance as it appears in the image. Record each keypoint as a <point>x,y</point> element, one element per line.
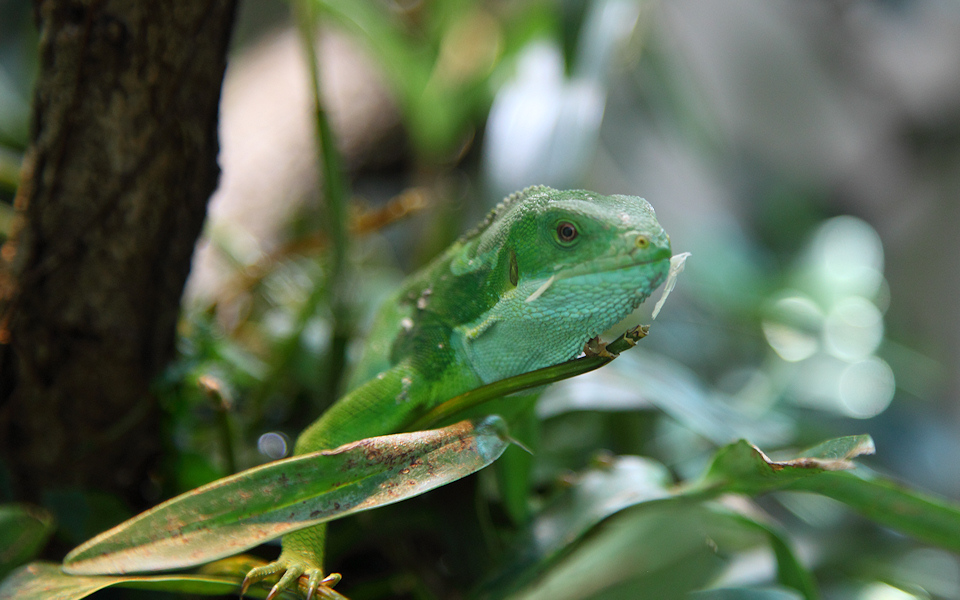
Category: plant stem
<point>526,381</point>
<point>335,193</point>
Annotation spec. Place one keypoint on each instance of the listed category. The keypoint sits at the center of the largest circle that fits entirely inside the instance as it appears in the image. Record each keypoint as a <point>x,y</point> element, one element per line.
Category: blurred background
<point>807,154</point>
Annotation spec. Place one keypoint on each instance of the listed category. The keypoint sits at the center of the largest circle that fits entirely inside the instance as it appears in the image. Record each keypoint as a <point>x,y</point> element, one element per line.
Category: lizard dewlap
<point>676,267</point>
<point>546,271</point>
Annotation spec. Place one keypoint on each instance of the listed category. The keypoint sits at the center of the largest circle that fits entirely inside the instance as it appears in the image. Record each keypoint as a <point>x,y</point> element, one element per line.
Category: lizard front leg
<point>382,405</point>
<point>301,564</point>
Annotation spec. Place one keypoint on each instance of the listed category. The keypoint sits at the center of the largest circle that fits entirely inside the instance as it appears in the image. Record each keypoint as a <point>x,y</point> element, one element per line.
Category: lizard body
<point>546,271</point>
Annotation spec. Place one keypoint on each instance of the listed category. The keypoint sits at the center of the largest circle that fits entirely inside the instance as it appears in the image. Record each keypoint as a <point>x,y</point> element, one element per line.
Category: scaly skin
<point>545,272</point>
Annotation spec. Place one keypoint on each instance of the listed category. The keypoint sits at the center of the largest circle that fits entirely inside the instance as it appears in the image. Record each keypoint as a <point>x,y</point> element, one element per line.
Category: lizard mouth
<point>603,265</point>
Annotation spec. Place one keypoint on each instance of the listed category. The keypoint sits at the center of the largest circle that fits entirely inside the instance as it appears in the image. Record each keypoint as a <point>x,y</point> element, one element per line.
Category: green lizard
<point>544,273</point>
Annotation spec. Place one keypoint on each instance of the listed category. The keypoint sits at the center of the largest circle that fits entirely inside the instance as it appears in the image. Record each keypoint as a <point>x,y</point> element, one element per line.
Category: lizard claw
<point>258,574</point>
<point>596,347</point>
<point>323,587</point>
<point>317,585</point>
<point>291,575</point>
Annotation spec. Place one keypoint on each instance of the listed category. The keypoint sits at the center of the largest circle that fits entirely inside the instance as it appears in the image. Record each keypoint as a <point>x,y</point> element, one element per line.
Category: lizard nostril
<point>642,241</point>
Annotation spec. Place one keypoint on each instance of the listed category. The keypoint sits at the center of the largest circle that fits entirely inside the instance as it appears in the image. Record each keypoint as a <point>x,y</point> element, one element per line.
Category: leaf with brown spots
<point>743,468</point>
<point>239,512</point>
<point>46,581</point>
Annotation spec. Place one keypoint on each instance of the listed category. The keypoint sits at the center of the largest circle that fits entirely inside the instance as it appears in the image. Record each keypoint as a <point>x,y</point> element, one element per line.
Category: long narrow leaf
<point>634,483</point>
<point>407,66</point>
<point>24,530</point>
<point>790,572</point>
<point>742,468</point>
<point>764,593</point>
<point>656,550</point>
<point>46,581</point>
<point>923,516</point>
<point>335,195</point>
<point>236,513</point>
<point>599,494</point>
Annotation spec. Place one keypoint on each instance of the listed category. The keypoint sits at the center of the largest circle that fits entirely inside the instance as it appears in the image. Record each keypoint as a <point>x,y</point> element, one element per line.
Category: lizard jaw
<point>604,265</point>
<point>613,264</point>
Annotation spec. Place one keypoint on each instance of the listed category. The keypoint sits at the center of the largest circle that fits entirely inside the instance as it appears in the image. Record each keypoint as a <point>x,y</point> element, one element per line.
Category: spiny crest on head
<point>505,205</point>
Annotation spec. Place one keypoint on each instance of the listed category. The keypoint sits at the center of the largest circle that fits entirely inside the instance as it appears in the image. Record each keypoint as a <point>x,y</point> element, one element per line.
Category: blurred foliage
<point>17,65</point>
<point>23,531</point>
<point>816,303</point>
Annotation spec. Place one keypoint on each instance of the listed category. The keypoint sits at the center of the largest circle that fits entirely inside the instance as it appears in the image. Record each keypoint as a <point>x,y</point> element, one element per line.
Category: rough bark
<point>113,195</point>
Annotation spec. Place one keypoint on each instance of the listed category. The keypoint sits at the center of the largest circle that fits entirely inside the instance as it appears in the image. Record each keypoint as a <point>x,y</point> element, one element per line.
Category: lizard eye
<point>567,231</point>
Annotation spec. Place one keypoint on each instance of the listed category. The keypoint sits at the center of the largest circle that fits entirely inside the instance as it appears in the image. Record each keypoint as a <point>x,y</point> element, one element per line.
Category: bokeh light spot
<point>866,388</point>
<point>792,327</point>
<point>853,328</point>
<point>848,254</point>
<point>272,445</point>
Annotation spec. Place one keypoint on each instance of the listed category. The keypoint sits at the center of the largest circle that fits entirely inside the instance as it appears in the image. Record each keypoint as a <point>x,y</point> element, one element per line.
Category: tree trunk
<point>112,198</point>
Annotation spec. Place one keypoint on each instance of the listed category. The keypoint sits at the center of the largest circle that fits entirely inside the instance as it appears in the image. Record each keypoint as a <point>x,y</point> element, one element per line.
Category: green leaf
<point>659,550</point>
<point>743,468</point>
<point>642,486</point>
<point>405,64</point>
<point>46,581</point>
<point>233,514</point>
<point>657,554</point>
<point>764,593</point>
<point>636,483</point>
<point>790,572</point>
<point>24,529</point>
<point>840,451</point>
<point>597,495</point>
<point>923,516</point>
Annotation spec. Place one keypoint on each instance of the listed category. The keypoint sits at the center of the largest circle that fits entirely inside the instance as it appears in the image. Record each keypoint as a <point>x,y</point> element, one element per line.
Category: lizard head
<point>571,265</point>
<point>585,238</point>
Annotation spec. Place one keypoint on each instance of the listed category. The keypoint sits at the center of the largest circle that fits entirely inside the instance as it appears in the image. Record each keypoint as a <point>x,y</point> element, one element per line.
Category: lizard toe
<point>289,577</point>
<point>318,585</point>
<point>258,574</point>
<point>321,587</point>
